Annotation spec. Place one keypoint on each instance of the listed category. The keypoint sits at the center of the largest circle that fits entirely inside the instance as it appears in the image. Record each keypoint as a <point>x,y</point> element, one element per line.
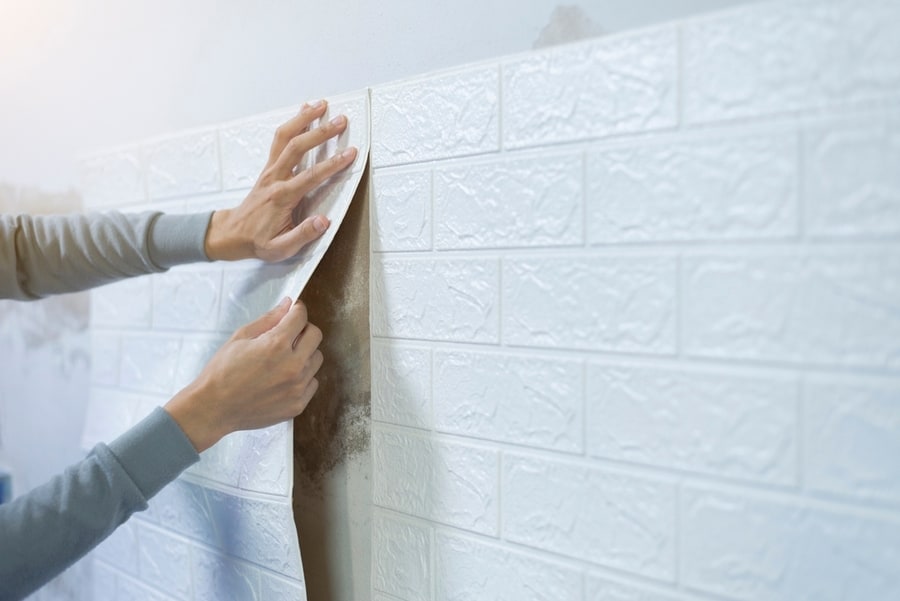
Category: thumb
<point>290,243</point>
<point>266,321</point>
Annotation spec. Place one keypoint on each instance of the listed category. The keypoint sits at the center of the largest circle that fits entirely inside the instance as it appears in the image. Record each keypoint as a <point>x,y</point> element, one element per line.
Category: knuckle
<point>295,146</point>
<point>281,133</point>
<point>315,333</point>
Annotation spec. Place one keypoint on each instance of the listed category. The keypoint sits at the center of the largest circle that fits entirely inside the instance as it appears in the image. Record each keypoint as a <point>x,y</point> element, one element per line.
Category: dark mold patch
<point>335,425</point>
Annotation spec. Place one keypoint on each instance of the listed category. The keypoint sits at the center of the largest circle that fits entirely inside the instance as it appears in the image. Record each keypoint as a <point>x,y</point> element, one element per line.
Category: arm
<point>44,532</point>
<point>48,529</point>
<point>51,255</point>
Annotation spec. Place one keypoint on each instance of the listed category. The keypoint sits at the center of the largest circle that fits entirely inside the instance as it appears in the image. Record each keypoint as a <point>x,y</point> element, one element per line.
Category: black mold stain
<point>335,425</point>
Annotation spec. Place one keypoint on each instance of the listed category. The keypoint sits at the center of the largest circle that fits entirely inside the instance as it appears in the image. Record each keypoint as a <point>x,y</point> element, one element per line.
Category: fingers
<point>306,343</point>
<point>309,179</point>
<point>307,395</point>
<point>289,244</point>
<point>295,126</point>
<point>291,324</point>
<point>299,145</point>
<point>265,322</point>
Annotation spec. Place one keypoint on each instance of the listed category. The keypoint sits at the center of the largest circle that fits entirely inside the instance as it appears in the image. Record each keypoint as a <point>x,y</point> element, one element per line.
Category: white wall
<point>636,316</point>
<point>84,74</point>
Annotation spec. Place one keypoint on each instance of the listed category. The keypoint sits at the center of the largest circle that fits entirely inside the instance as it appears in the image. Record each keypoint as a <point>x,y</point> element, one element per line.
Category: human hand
<point>263,225</point>
<point>263,375</point>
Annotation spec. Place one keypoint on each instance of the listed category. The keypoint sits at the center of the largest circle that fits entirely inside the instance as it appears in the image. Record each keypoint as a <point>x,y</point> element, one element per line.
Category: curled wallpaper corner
<point>225,528</point>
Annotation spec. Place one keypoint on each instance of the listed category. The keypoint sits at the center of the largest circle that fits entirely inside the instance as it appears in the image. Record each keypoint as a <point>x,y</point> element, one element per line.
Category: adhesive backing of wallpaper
<point>225,529</point>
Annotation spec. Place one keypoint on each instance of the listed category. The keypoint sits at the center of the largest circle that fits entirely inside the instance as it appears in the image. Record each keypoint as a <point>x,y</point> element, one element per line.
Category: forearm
<point>40,256</point>
<point>48,529</point>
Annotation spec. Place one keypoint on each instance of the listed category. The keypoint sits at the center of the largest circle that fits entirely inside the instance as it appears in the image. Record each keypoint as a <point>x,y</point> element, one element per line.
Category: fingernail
<point>284,303</point>
<point>316,104</point>
<point>320,223</point>
<point>348,153</point>
<point>338,120</point>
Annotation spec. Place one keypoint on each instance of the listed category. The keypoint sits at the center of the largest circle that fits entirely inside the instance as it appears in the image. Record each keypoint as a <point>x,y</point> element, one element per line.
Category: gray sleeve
<point>51,255</point>
<point>47,530</point>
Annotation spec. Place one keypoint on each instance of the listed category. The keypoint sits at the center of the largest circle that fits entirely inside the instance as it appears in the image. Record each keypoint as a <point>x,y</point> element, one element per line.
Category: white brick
<point>778,57</point>
<point>584,302</point>
<point>273,588</point>
<point>401,558</point>
<point>852,439</point>
<point>720,424</point>
<point>613,520</point>
<point>401,211</point>
<point>120,549</point>
<point>851,182</point>
<point>183,165</point>
<point>757,549</point>
<point>265,461</point>
<point>447,482</point>
<point>259,531</point>
<point>181,507</point>
<point>507,203</point>
<point>133,590</point>
<point>105,355</point>
<point>401,384</point>
<point>622,84</point>
<point>467,570</point>
<point>103,580</point>
<point>833,308</point>
<point>525,400</point>
<point>125,304</point>
<point>165,561</point>
<point>109,414</point>
<point>148,363</point>
<point>187,299</point>
<point>694,189</point>
<point>219,578</point>
<point>442,116</point>
<point>436,300</point>
<point>248,293</point>
<point>113,180</point>
<point>195,354</point>
<point>245,148</point>
<point>603,589</point>
<point>217,462</point>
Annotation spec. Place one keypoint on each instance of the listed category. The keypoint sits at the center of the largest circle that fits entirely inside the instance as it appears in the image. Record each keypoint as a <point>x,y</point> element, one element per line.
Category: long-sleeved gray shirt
<point>45,531</point>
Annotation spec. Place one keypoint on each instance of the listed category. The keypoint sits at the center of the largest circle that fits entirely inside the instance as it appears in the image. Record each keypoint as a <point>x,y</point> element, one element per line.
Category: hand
<point>263,225</point>
<point>263,375</point>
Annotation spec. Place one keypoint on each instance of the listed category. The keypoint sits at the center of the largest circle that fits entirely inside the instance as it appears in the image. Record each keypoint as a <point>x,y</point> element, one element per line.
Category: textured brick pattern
<point>644,346</point>
<point>622,84</point>
<point>225,529</point>
<point>635,315</point>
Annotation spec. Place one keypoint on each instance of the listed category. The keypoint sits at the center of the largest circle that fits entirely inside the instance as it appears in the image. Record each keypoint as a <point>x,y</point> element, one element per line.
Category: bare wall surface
<point>332,462</point>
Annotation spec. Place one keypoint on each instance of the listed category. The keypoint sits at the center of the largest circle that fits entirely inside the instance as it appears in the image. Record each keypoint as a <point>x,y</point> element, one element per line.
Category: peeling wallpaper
<point>634,326</point>
<point>225,529</point>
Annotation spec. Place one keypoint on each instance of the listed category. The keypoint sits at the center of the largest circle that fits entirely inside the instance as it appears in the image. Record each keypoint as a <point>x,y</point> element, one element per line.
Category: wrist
<point>190,409</point>
<point>224,239</point>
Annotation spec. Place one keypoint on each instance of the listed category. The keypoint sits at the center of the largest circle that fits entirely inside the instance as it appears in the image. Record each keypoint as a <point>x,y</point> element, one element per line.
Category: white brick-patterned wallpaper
<point>635,316</point>
<point>224,530</point>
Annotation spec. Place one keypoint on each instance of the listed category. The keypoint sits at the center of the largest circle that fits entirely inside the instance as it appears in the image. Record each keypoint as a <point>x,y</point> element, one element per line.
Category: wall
<point>86,74</point>
<point>635,316</point>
